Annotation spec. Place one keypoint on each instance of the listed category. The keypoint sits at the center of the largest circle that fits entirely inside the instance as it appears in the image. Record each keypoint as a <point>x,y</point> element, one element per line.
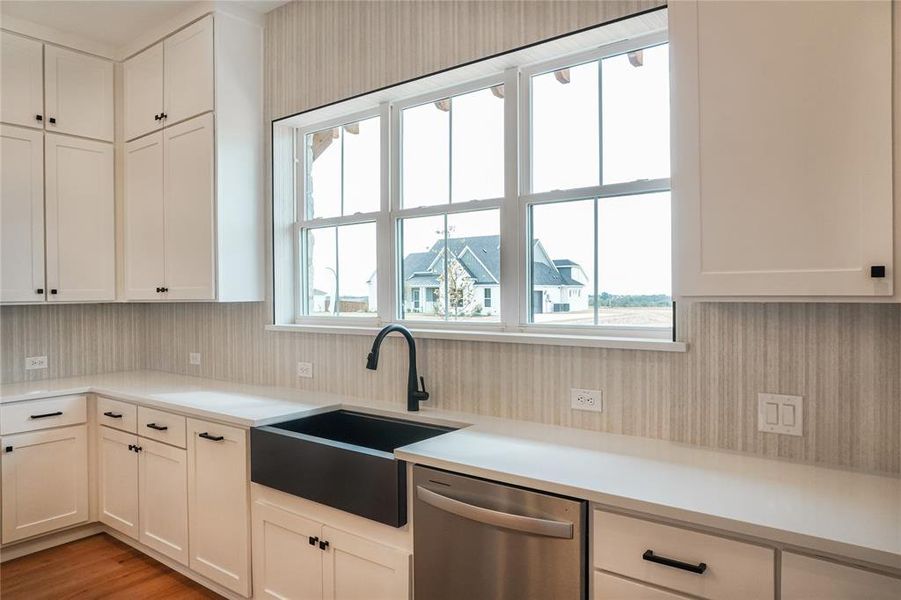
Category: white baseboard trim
<point>26,547</point>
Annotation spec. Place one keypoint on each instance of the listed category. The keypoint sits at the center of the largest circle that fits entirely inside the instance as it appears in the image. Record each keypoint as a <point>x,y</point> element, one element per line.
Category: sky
<point>457,155</point>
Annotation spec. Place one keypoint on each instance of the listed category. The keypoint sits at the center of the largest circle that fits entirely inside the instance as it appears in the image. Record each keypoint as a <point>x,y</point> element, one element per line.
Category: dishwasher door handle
<point>533,525</point>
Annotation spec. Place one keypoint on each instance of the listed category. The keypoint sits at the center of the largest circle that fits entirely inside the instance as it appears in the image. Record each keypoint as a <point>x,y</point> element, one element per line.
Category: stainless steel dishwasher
<point>479,540</point>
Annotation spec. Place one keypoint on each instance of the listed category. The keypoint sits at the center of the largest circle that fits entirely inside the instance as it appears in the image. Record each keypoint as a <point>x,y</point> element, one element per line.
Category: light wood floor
<point>95,567</point>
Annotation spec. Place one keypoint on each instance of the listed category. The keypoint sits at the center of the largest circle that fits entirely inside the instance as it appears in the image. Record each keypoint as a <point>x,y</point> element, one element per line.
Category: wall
<point>844,359</point>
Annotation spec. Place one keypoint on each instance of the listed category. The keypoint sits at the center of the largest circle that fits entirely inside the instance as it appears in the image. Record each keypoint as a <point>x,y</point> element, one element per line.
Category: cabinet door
<point>218,508</point>
<point>188,192</point>
<point>79,94</point>
<point>782,151</point>
<point>117,473</point>
<point>144,218</point>
<point>143,91</point>
<point>81,246</point>
<point>21,214</point>
<point>45,481</point>
<point>805,578</point>
<point>163,485</point>
<point>188,71</point>
<point>21,79</point>
<point>359,569</point>
<point>287,565</point>
<point>611,587</point>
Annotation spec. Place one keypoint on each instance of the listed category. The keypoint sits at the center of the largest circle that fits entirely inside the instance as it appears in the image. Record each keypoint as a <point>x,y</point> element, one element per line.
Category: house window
<point>598,191</point>
<point>557,170</point>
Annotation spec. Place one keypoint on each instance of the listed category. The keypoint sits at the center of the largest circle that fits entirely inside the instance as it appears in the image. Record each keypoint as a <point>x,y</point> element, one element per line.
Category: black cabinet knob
<point>323,545</point>
<point>163,116</point>
<point>39,117</point>
<point>53,291</point>
<point>39,291</point>
<point>53,120</point>
<point>156,117</point>
<point>164,289</point>
<point>877,271</point>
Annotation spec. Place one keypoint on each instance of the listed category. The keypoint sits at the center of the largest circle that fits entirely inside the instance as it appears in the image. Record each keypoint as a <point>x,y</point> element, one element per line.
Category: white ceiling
<point>113,23</point>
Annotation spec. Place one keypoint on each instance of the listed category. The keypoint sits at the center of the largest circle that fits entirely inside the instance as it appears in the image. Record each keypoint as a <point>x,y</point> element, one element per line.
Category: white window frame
<point>514,207</point>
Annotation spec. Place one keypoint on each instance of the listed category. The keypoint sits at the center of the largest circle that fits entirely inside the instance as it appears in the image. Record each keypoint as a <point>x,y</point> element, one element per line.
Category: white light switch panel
<point>586,399</point>
<point>35,362</point>
<point>194,358</point>
<point>778,413</point>
<point>305,369</point>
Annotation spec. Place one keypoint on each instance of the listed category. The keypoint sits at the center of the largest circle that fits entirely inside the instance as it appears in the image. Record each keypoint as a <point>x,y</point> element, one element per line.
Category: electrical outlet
<point>586,399</point>
<point>194,358</point>
<point>305,369</point>
<point>35,362</point>
<point>778,413</point>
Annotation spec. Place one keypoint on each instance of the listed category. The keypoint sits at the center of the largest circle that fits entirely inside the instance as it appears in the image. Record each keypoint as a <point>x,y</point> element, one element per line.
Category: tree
<point>461,292</point>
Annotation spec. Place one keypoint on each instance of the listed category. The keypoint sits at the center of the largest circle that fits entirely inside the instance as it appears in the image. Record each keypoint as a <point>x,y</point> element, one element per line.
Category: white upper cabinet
<point>21,68</point>
<point>21,215</point>
<point>188,201</point>
<point>145,267</point>
<point>78,94</point>
<point>143,92</point>
<point>188,71</point>
<point>81,247</point>
<point>782,148</point>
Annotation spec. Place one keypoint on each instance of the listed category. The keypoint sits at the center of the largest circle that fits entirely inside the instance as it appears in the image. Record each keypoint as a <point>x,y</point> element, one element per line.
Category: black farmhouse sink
<point>341,458</point>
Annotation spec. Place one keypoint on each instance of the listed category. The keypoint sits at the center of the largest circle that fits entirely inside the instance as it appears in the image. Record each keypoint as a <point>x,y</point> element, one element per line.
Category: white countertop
<point>846,514</point>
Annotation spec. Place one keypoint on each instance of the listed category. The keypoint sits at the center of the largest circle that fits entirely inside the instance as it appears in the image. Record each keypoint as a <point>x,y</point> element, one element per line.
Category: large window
<point>558,172</point>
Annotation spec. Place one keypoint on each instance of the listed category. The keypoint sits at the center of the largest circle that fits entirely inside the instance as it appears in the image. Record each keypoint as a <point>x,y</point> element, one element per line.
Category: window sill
<point>544,339</point>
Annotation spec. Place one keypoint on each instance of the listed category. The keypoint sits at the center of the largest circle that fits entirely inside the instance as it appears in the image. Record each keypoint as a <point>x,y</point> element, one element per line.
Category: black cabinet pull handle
<point>138,449</point>
<point>53,291</point>
<point>676,564</point>
<point>158,290</point>
<point>9,448</point>
<point>131,447</point>
<point>53,120</point>
<point>164,289</point>
<point>214,438</point>
<point>877,271</point>
<point>163,116</point>
<point>156,117</point>
<point>314,540</point>
<point>157,427</point>
<point>39,117</point>
<point>323,545</point>
<point>112,415</point>
<point>45,415</point>
<point>39,291</point>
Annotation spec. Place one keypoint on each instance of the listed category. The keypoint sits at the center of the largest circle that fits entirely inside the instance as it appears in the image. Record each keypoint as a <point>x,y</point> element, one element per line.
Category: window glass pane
<point>634,262</point>
<point>362,166</point>
<point>322,271</point>
<point>356,270</point>
<point>478,145</point>
<point>565,129</point>
<point>563,263</point>
<point>423,263</point>
<point>451,285</point>
<point>426,154</point>
<point>323,185</point>
<point>636,115</point>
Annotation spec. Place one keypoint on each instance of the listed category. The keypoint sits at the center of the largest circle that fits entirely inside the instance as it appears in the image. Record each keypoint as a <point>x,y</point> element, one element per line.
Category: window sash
<point>514,205</point>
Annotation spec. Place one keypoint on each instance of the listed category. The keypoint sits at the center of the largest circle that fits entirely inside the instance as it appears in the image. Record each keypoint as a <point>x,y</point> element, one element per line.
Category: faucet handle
<point>423,395</point>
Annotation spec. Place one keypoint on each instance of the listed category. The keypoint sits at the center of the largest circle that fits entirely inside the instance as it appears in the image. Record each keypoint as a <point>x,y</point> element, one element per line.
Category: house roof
<point>480,258</point>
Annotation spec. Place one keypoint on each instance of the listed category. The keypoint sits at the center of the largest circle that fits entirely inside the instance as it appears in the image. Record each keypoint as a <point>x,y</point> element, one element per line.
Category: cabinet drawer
<point>639,549</point>
<point>42,414</point>
<point>162,426</point>
<point>608,587</point>
<point>804,577</point>
<point>116,414</point>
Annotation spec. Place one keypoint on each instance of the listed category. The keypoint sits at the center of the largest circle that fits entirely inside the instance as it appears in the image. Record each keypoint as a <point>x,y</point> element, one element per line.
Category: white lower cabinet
<point>163,489</point>
<point>218,504</point>
<point>143,491</point>
<point>611,587</point>
<point>117,472</point>
<point>300,558</point>
<point>806,578</point>
<point>45,481</point>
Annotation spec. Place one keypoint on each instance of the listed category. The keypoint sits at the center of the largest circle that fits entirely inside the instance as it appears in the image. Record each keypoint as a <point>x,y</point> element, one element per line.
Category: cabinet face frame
<point>23,195</point>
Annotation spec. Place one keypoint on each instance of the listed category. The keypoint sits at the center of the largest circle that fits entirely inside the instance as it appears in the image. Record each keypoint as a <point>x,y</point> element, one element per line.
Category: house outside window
<point>487,298</point>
